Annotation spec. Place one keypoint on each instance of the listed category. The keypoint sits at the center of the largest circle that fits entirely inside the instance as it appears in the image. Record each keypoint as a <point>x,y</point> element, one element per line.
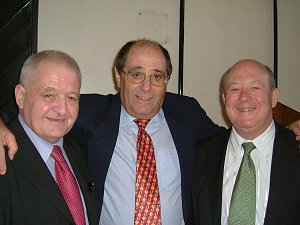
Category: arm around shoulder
<point>7,139</point>
<point>295,127</point>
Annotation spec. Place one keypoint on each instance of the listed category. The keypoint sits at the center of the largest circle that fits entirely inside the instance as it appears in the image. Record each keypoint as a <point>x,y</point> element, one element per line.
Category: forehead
<point>146,56</point>
<point>248,72</point>
<point>47,68</point>
<point>51,73</point>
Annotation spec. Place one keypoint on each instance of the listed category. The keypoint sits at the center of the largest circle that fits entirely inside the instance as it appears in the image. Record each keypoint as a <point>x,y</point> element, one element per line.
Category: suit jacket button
<point>92,186</point>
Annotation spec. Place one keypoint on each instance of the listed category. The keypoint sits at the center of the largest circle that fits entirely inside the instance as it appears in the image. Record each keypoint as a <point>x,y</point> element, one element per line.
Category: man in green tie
<point>250,173</point>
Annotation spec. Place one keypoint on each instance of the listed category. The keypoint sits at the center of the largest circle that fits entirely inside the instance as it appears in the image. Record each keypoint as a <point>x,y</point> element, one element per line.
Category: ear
<point>20,95</point>
<point>223,98</point>
<point>275,97</point>
<point>117,77</point>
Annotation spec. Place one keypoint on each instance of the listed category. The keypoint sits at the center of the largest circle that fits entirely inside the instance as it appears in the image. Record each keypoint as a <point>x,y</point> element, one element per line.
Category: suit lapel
<point>77,161</point>
<point>102,143</point>
<point>184,136</point>
<point>72,151</point>
<point>184,146</point>
<point>283,162</point>
<point>31,165</point>
<point>215,158</point>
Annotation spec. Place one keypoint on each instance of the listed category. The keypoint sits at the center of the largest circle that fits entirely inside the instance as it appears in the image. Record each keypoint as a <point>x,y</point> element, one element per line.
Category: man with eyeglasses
<point>138,75</point>
<point>107,127</point>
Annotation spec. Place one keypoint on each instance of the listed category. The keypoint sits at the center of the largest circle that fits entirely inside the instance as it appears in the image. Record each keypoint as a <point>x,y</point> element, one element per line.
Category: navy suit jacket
<point>284,194</point>
<point>28,192</point>
<point>98,124</point>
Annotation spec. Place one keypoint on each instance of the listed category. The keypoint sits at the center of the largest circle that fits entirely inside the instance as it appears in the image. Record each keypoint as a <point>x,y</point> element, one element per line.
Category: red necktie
<point>68,186</point>
<point>147,199</point>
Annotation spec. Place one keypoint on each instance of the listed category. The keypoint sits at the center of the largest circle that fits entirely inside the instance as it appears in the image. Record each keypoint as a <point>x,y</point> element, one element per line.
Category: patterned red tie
<point>147,199</point>
<point>68,186</point>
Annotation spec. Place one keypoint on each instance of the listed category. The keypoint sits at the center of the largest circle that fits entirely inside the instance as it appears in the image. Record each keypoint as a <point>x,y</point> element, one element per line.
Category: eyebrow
<point>135,68</point>
<point>49,89</point>
<point>142,68</point>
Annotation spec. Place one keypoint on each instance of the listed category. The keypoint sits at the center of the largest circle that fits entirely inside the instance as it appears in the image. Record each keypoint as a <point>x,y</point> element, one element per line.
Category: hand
<point>6,139</point>
<point>295,127</point>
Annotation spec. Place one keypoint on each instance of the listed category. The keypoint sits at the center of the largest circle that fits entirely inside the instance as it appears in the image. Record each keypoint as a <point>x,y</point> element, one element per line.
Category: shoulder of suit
<point>94,106</point>
<point>70,140</point>
<point>286,135</point>
<point>182,101</point>
<point>98,98</point>
<point>222,135</point>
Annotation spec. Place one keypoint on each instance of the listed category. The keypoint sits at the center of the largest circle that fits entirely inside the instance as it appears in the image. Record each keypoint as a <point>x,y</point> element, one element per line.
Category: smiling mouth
<point>245,109</point>
<point>144,98</point>
<point>56,120</point>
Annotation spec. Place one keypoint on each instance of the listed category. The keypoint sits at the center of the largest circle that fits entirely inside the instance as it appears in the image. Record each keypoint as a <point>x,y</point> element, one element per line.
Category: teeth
<point>245,109</point>
<point>142,98</point>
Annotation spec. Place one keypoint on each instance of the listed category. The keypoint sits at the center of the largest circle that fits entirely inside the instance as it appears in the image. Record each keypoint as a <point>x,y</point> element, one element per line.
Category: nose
<point>146,84</point>
<point>60,106</point>
<point>245,95</point>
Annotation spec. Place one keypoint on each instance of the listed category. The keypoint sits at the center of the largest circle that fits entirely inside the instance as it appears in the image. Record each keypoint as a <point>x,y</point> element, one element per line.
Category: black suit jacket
<point>98,124</point>
<point>29,194</point>
<point>284,194</point>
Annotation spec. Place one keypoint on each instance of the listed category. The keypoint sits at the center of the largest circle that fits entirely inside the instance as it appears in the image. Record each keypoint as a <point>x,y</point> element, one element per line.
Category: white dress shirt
<point>262,158</point>
<point>119,189</point>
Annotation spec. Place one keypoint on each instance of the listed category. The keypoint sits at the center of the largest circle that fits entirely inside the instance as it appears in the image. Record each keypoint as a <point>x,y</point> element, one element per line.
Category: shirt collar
<point>127,120</point>
<point>260,142</point>
<point>43,147</point>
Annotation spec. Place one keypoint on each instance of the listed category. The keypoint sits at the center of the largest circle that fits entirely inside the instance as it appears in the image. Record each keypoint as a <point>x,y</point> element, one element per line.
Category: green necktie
<point>243,201</point>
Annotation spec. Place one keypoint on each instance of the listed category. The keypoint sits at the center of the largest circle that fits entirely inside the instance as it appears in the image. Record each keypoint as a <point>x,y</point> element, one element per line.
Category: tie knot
<point>56,153</point>
<point>141,123</point>
<point>248,147</point>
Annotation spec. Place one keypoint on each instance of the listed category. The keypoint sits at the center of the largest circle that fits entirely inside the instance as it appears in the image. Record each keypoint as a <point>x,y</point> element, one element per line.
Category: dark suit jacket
<point>284,194</point>
<point>98,124</point>
<point>29,194</point>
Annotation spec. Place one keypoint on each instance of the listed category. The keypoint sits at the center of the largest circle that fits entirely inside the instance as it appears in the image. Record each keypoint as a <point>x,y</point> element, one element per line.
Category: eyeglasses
<point>157,79</point>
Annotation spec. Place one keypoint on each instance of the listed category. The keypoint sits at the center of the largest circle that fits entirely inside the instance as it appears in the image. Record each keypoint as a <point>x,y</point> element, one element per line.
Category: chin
<point>58,134</point>
<point>143,111</point>
<point>245,123</point>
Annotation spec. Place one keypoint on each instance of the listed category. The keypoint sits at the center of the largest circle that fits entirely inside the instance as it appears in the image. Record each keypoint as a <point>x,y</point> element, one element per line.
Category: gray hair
<point>53,56</point>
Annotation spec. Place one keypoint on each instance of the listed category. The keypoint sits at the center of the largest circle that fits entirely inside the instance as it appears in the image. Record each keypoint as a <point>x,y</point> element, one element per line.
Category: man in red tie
<point>47,182</point>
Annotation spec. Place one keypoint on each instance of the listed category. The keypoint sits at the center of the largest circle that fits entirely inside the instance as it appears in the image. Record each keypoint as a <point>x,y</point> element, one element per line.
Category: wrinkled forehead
<point>47,71</point>
<point>146,56</point>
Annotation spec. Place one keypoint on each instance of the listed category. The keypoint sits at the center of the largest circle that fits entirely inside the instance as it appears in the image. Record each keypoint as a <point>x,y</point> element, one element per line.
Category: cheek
<point>36,109</point>
<point>160,95</point>
<point>35,115</point>
<point>267,104</point>
<point>43,108</point>
<point>129,92</point>
<point>230,101</point>
<point>230,106</point>
<point>265,100</point>
<point>73,111</point>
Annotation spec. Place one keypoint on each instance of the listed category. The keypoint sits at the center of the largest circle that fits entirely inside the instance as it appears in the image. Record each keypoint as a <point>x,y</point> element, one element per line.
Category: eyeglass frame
<point>166,78</point>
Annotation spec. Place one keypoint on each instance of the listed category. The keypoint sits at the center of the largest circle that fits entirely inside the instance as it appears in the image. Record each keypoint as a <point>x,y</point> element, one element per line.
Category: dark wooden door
<point>18,40</point>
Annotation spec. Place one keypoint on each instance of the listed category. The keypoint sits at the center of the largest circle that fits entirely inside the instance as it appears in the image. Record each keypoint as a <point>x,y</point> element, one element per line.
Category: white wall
<point>289,52</point>
<point>92,31</point>
<point>217,34</point>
